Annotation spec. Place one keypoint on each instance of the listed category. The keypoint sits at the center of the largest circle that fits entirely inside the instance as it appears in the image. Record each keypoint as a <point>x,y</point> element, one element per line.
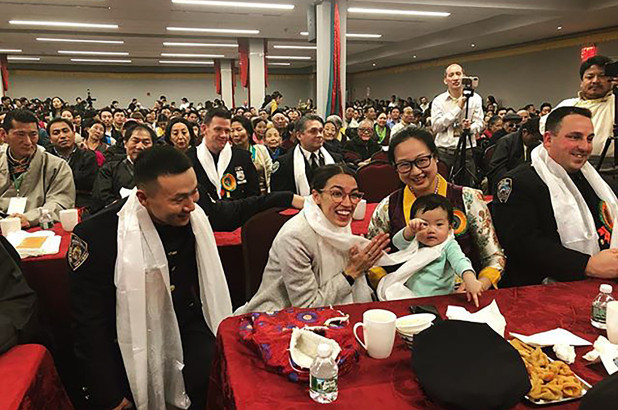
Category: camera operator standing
<point>450,118</point>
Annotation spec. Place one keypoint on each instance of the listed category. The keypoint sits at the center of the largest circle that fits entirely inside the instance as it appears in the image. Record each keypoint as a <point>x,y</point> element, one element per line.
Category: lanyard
<point>18,181</point>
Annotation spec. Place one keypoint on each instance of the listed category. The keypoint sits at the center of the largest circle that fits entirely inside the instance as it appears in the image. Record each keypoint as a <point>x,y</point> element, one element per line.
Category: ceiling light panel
<point>77,40</point>
<point>16,58</point>
<point>238,4</point>
<point>361,35</point>
<point>94,53</point>
<point>10,50</point>
<point>192,55</point>
<point>173,44</point>
<point>284,47</point>
<point>214,30</point>
<point>396,13</point>
<point>288,58</point>
<point>185,62</point>
<point>98,60</point>
<point>61,24</point>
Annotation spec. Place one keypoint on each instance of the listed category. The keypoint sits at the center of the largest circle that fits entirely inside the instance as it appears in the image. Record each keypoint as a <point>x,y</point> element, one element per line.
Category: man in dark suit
<point>513,149</point>
<point>554,217</point>
<point>294,171</point>
<point>223,171</point>
<point>83,163</point>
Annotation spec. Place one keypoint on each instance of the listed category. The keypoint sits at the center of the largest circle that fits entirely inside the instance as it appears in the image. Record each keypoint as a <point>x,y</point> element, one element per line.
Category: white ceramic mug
<point>611,320</point>
<point>69,218</point>
<point>361,209</point>
<point>9,225</point>
<point>378,332</point>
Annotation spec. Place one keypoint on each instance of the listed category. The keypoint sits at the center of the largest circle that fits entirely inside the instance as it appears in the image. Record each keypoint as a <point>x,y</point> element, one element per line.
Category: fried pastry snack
<point>550,381</point>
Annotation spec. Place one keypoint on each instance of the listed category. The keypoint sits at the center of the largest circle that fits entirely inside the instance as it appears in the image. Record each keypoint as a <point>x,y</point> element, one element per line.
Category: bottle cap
<point>605,288</point>
<point>324,350</point>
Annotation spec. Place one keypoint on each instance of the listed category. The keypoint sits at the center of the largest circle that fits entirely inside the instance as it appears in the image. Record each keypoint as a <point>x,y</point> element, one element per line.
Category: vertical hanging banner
<point>265,64</point>
<point>218,76</point>
<point>233,83</point>
<point>4,72</point>
<point>243,61</point>
<point>333,105</point>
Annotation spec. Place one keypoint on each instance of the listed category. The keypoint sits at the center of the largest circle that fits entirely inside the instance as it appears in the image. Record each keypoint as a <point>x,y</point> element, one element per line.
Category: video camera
<point>611,69</point>
<point>470,83</point>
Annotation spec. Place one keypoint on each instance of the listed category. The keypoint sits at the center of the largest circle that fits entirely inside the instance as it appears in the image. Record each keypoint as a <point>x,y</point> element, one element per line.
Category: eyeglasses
<point>365,130</point>
<point>403,167</point>
<point>338,196</point>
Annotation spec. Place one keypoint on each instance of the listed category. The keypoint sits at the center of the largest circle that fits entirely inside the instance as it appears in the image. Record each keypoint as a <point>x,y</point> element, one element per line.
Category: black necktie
<point>314,161</point>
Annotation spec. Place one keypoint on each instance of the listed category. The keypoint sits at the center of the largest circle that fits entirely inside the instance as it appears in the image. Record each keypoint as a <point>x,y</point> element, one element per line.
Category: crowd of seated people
<point>155,182</point>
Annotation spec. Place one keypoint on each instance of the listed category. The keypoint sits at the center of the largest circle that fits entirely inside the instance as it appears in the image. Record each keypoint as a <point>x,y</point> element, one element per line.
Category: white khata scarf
<point>147,328</point>
<point>214,172</point>
<point>575,222</point>
<point>300,176</point>
<point>335,243</point>
<point>393,286</point>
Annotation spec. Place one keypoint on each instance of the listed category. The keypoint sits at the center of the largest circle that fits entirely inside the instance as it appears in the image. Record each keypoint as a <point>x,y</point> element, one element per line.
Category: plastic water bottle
<point>46,220</point>
<point>599,306</point>
<point>323,379</point>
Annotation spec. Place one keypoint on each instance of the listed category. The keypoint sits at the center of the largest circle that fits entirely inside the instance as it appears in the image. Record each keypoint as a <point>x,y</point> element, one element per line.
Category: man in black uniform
<point>115,175</point>
<point>512,150</point>
<point>308,153</point>
<point>83,163</point>
<point>168,190</point>
<point>223,171</point>
<point>561,229</point>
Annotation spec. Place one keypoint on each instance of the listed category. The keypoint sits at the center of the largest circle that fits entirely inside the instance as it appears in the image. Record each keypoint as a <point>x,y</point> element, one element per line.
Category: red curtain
<point>4,72</point>
<point>336,97</point>
<point>243,62</point>
<point>265,65</point>
<point>218,76</point>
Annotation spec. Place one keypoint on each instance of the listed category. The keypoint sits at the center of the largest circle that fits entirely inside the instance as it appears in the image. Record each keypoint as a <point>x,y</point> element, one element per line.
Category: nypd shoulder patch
<point>505,187</point>
<point>78,252</point>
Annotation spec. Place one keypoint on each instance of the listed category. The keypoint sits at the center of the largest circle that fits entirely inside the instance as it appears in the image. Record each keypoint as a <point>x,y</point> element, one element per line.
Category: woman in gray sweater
<point>315,260</point>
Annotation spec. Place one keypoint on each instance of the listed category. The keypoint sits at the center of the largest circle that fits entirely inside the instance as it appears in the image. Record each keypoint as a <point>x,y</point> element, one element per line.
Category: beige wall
<point>146,87</point>
<point>528,75</point>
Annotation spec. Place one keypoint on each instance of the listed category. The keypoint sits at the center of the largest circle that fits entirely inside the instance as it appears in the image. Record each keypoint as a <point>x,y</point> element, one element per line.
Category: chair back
<point>258,234</point>
<point>377,180</point>
<point>380,156</point>
<point>487,155</point>
<point>443,169</point>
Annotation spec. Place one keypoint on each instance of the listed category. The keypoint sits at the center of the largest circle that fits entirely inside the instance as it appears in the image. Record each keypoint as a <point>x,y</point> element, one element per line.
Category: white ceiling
<point>142,27</point>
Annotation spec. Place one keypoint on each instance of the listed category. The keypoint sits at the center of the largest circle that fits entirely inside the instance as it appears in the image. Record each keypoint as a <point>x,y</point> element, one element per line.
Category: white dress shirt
<point>446,117</point>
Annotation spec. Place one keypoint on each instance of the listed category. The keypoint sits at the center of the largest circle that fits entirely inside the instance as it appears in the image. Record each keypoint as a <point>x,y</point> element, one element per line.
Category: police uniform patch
<point>78,252</point>
<point>228,182</point>
<point>505,187</point>
<point>275,166</point>
<point>240,175</point>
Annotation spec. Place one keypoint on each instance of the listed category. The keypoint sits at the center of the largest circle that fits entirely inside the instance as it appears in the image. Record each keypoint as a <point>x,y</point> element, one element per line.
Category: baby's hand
<point>415,226</point>
<point>474,287</point>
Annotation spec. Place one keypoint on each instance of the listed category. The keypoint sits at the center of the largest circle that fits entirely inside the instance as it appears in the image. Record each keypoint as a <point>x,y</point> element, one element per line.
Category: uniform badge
<point>78,252</point>
<point>275,166</point>
<point>240,175</point>
<point>505,187</point>
<point>228,182</point>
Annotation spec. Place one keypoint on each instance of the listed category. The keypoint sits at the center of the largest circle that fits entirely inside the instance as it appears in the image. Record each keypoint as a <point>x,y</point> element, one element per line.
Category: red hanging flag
<point>265,65</point>
<point>218,76</point>
<point>243,62</point>
<point>4,72</point>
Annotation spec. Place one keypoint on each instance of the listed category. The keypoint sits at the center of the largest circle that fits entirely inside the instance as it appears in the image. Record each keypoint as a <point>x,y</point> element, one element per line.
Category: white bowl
<point>412,324</point>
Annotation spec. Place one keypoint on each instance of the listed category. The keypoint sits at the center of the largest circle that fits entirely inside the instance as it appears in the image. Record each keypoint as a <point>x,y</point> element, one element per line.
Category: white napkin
<point>552,337</point>
<point>606,351</point>
<point>490,314</point>
<point>51,246</point>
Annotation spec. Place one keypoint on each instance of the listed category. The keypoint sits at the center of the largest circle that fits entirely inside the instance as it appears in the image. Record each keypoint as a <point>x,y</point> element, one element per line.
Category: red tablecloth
<point>239,380</point>
<point>28,380</point>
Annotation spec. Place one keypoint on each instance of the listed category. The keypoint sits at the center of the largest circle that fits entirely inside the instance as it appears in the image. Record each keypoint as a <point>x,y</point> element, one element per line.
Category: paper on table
<point>51,246</point>
<point>490,314</point>
<point>607,352</point>
<point>552,337</point>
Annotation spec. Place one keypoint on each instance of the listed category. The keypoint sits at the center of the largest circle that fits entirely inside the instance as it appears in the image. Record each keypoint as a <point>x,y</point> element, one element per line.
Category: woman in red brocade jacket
<point>413,153</point>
